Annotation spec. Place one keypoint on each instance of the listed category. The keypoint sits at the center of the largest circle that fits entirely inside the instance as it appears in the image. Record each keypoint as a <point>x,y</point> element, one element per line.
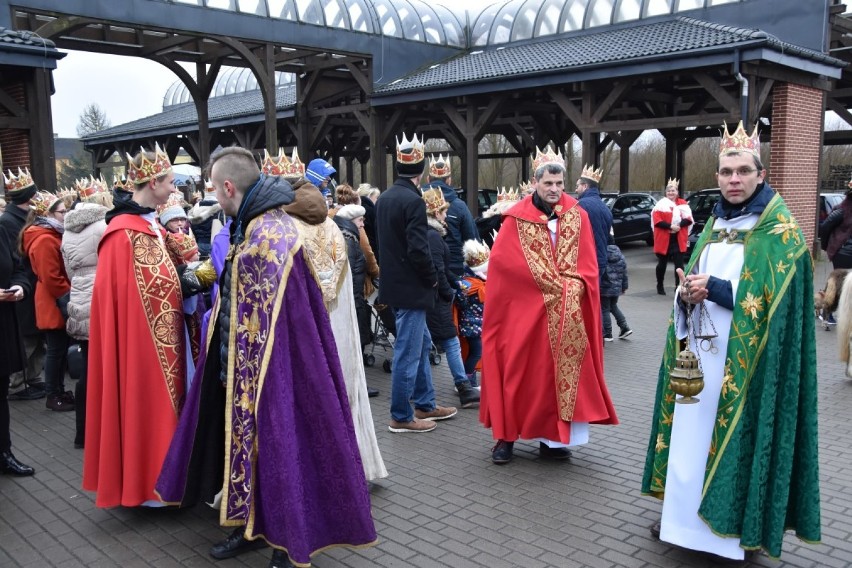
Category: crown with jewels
<point>88,187</point>
<point>65,192</point>
<point>148,170</point>
<point>589,172</point>
<point>121,183</point>
<point>409,151</point>
<point>475,253</point>
<point>175,199</point>
<point>740,141</point>
<point>547,157</point>
<point>42,201</point>
<point>440,168</point>
<point>18,182</point>
<point>674,182</point>
<point>510,195</point>
<point>282,166</point>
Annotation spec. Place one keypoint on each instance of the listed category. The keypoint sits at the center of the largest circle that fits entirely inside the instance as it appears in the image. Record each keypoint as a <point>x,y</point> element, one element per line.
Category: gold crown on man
<point>440,168</point>
<point>673,181</point>
<point>148,170</point>
<point>410,151</point>
<point>547,157</point>
<point>740,141</point>
<point>589,172</point>
<point>280,165</point>
<point>18,182</point>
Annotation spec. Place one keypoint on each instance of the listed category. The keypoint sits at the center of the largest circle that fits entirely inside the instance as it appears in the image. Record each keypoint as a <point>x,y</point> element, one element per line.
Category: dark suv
<point>631,216</point>
<point>701,203</point>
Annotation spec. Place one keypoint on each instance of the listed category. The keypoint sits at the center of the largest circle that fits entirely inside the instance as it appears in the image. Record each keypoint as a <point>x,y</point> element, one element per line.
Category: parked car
<point>827,203</point>
<point>631,216</point>
<point>485,197</point>
<point>701,203</point>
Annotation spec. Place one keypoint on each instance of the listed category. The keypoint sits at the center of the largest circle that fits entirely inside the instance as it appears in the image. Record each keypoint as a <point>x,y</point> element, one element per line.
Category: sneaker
<point>33,391</point>
<point>468,396</point>
<point>548,453</point>
<point>415,426</point>
<point>440,413</point>
<point>607,337</point>
<point>501,453</point>
<point>831,320</point>
<point>625,332</point>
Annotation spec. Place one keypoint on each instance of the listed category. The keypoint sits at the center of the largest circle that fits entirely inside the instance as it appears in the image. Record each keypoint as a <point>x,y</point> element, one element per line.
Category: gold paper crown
<point>88,187</point>
<point>121,183</point>
<point>148,170</point>
<point>440,168</point>
<point>18,182</point>
<point>674,182</point>
<point>409,151</point>
<point>64,192</point>
<point>589,172</point>
<point>435,201</point>
<point>175,199</point>
<point>739,141</point>
<point>281,166</point>
<point>42,201</point>
<point>548,157</point>
<point>475,253</point>
<point>510,195</point>
<point>525,187</point>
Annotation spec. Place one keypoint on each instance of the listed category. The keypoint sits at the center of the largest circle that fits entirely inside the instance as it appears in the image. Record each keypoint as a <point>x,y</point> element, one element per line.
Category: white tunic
<point>692,426</point>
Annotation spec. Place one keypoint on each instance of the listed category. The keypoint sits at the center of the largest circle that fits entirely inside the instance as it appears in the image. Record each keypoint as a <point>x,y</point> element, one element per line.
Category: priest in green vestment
<point>740,467</point>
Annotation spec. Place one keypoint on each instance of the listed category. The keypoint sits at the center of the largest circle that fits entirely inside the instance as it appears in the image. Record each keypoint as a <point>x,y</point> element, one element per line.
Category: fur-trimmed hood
<point>437,225</point>
<point>202,211</point>
<point>84,215</point>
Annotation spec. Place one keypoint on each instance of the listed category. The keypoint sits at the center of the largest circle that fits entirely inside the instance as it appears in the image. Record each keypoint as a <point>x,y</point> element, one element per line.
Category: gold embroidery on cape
<point>325,250</point>
<point>159,290</point>
<point>562,289</point>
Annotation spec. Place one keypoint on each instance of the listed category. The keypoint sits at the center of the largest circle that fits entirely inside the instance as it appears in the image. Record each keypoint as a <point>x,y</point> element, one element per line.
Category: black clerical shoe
<point>548,453</point>
<point>9,465</point>
<point>280,560</point>
<point>234,545</point>
<point>502,452</point>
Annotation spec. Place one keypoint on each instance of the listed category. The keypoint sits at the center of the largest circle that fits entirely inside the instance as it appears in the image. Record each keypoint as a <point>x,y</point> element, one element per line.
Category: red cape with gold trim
<point>136,374</point>
<point>541,333</point>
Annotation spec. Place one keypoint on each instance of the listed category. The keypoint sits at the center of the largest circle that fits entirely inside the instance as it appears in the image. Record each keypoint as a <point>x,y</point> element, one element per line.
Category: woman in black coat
<point>349,219</point>
<point>439,318</point>
<point>14,286</point>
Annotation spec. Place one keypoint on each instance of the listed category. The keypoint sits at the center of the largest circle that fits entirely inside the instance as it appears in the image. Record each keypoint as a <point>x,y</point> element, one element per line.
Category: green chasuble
<point>762,473</point>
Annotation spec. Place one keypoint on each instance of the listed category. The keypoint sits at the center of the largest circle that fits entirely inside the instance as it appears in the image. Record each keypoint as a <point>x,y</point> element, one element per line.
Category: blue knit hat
<point>318,170</point>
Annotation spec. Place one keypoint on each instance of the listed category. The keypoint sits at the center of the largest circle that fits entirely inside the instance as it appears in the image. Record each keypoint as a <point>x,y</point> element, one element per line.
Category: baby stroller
<point>384,334</point>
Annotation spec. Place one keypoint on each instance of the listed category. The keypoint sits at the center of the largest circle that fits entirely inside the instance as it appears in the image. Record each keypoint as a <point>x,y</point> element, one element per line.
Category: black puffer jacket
<point>439,318</point>
<point>357,262</point>
<point>271,192</point>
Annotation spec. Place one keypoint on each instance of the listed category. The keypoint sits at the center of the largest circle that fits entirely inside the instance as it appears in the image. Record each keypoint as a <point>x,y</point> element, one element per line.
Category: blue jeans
<point>452,352</point>
<point>411,375</point>
<point>474,354</point>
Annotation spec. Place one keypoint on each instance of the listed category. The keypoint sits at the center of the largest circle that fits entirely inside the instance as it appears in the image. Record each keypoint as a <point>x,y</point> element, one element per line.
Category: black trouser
<point>662,263</point>
<point>80,395</point>
<point>5,439</point>
<point>54,361</point>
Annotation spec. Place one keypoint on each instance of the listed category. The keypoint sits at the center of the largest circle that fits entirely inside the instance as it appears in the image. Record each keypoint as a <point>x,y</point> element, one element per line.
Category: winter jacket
<point>42,247</point>
<point>12,222</point>
<point>357,262</point>
<point>408,277</point>
<point>601,219</point>
<point>370,221</point>
<point>84,227</point>
<point>439,318</point>
<point>661,219</point>
<point>12,273</point>
<point>616,272</point>
<point>201,218</point>
<point>460,226</point>
<point>469,299</point>
<point>835,234</point>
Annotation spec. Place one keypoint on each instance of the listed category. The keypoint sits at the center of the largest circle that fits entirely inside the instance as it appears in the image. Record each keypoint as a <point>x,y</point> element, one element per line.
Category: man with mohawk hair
<point>739,467</point>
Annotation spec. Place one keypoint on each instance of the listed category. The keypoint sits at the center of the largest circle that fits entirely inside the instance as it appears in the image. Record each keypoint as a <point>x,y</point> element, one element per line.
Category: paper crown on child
<point>740,141</point>
<point>440,168</point>
<point>147,169</point>
<point>435,202</point>
<point>476,254</point>
<point>547,157</point>
<point>589,172</point>
<point>42,201</point>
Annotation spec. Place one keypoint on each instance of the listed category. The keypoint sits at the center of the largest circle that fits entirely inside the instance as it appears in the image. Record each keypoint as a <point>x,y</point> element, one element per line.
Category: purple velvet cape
<point>293,472</point>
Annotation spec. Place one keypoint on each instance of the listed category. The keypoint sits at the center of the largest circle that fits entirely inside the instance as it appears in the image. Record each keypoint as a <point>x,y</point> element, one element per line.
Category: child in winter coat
<point>614,285</point>
<point>470,299</point>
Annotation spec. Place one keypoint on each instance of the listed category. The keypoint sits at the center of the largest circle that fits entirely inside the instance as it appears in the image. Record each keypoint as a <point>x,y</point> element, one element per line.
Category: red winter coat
<point>663,234</point>
<point>42,246</point>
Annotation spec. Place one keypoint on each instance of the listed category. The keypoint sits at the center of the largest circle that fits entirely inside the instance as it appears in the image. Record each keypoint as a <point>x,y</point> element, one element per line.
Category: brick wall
<point>15,143</point>
<point>797,115</point>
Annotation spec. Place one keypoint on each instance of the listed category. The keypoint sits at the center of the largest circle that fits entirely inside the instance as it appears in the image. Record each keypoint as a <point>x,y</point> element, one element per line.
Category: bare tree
<point>92,119</point>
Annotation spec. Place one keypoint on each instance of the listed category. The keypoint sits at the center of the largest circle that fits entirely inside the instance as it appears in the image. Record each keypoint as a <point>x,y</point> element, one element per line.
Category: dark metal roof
<point>221,109</point>
<point>27,49</point>
<point>675,37</point>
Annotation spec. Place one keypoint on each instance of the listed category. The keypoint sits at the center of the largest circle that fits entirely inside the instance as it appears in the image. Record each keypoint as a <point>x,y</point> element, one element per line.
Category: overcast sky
<point>126,88</point>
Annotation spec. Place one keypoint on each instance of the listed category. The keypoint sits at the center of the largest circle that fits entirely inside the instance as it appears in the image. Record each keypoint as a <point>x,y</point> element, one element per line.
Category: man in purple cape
<point>270,380</point>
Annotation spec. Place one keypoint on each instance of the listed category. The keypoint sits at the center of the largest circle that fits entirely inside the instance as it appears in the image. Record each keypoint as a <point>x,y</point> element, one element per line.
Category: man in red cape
<point>137,348</point>
<point>542,371</point>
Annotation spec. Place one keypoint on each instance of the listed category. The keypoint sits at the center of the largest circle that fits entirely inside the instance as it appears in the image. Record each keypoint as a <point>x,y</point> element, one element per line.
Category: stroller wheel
<point>369,360</point>
<point>386,366</point>
<point>435,359</point>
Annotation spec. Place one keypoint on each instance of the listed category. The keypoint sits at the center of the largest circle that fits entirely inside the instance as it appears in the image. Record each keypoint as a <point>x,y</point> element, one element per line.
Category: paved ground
<point>445,503</point>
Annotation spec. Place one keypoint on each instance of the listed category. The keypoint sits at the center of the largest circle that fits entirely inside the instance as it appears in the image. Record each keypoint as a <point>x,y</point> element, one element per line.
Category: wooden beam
<point>567,107</point>
<point>717,92</point>
<point>488,115</point>
<point>839,109</point>
<point>621,87</point>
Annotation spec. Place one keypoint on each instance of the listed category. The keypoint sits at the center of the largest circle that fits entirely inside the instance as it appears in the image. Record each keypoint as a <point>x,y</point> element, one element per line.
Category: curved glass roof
<point>515,20</point>
<point>406,19</point>
<point>229,81</point>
